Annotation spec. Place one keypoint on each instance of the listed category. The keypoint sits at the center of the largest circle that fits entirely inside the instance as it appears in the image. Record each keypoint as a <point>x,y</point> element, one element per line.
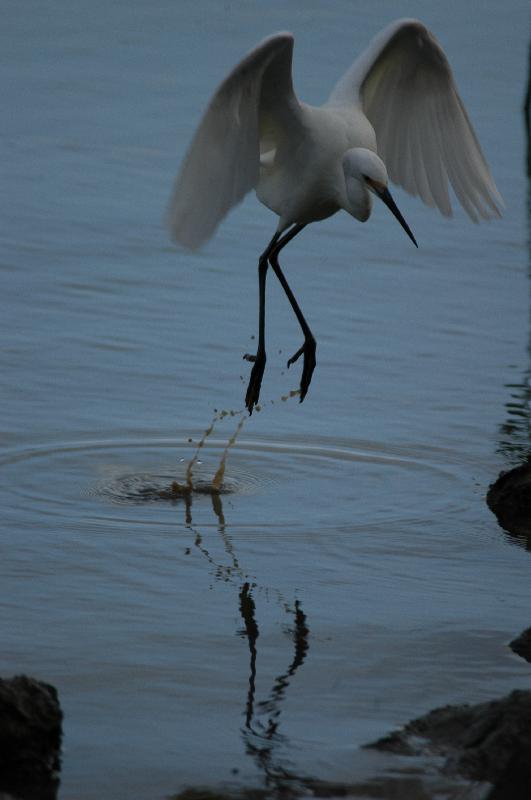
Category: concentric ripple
<point>292,477</point>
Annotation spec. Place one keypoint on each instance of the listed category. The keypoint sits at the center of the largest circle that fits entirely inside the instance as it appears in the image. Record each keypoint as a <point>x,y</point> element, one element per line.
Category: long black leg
<point>257,372</point>
<point>309,346</point>
<point>270,255</point>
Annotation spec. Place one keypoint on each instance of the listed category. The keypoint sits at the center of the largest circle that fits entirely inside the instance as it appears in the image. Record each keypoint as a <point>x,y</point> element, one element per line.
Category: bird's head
<point>366,175</point>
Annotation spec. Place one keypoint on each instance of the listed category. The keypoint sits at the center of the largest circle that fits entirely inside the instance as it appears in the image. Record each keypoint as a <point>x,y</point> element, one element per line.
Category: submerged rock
<point>509,498</point>
<point>489,742</point>
<point>30,738</point>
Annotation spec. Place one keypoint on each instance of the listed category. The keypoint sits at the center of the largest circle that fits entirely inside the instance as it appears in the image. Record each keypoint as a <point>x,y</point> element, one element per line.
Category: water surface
<point>350,576</point>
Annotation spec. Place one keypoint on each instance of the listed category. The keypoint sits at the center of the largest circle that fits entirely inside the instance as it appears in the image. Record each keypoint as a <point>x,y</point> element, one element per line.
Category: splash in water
<point>217,480</point>
<point>216,486</point>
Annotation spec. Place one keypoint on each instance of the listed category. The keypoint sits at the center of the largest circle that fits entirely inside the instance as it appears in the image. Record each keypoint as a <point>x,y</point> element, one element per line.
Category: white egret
<point>396,113</point>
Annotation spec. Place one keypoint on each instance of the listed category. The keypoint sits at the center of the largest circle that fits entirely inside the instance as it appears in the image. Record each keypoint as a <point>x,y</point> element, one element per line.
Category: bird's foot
<point>255,381</point>
<point>309,362</point>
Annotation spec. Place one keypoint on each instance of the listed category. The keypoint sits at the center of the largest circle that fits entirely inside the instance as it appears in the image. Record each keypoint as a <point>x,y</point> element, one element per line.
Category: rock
<point>488,742</point>
<point>509,498</point>
<point>30,738</point>
<point>522,645</point>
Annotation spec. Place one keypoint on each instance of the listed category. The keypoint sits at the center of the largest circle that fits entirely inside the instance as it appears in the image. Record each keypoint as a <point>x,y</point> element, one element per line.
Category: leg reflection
<point>221,571</point>
<point>247,609</point>
<point>260,734</point>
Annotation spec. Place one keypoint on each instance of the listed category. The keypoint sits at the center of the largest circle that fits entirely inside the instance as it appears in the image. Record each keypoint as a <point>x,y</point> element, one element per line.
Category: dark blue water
<point>357,519</point>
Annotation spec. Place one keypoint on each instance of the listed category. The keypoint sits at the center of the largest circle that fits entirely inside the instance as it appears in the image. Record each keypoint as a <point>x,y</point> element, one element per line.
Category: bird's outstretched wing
<point>223,160</point>
<point>404,85</point>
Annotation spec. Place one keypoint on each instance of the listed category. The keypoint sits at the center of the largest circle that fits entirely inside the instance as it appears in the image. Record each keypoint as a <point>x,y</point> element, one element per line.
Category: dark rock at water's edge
<point>488,742</point>
<point>522,645</point>
<point>509,498</point>
<point>30,738</point>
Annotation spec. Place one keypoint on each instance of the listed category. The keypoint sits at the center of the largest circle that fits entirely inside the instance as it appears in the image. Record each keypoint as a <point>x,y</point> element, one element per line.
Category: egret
<point>395,114</point>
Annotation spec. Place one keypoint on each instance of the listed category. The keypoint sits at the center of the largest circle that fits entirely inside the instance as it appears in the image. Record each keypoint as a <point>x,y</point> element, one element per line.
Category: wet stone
<point>509,498</point>
<point>522,645</point>
<point>488,742</point>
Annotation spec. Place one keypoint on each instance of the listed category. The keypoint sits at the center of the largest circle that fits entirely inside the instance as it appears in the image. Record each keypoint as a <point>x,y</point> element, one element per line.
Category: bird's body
<point>301,195</point>
<point>395,113</point>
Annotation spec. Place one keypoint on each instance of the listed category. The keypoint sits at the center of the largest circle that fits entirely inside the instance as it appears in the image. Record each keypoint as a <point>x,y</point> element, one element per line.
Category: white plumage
<point>396,113</point>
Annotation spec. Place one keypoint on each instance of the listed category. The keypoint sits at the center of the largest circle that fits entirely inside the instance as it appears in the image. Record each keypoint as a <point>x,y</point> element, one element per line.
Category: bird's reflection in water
<point>260,733</point>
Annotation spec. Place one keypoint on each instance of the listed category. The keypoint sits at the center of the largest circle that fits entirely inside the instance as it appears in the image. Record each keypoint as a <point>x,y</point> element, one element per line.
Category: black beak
<point>391,205</point>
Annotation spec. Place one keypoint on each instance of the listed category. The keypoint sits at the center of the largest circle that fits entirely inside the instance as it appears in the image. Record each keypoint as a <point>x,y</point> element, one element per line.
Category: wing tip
<point>181,232</point>
<point>285,37</point>
<point>282,35</point>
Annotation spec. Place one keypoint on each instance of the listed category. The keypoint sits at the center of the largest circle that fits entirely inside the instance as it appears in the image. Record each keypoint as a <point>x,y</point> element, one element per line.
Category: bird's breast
<point>298,193</point>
